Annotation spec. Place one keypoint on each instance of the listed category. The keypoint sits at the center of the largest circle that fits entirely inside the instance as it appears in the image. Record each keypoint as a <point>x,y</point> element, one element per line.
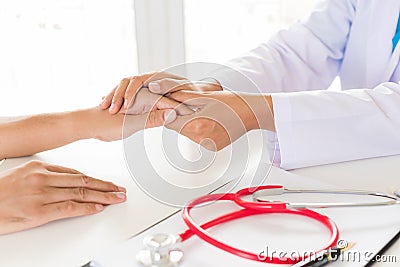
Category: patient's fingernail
<point>169,116</point>
<point>99,207</point>
<point>112,107</point>
<point>121,189</point>
<point>120,195</point>
<point>154,87</point>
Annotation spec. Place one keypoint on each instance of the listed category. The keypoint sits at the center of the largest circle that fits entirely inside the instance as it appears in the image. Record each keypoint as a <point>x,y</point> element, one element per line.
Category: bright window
<point>63,54</point>
<point>217,30</point>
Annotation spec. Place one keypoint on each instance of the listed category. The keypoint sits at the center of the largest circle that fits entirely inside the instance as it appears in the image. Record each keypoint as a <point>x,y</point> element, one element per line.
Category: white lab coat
<point>351,39</point>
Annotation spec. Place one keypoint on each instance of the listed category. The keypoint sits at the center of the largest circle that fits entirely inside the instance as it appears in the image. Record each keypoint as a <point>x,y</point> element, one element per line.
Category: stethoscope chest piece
<point>161,251</point>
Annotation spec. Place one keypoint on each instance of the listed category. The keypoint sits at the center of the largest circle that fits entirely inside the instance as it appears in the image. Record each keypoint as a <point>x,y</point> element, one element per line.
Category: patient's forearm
<point>37,133</point>
<point>34,134</point>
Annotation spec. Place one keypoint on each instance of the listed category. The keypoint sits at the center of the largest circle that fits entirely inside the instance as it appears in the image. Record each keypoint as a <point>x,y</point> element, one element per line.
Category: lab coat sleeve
<point>321,127</point>
<point>307,56</point>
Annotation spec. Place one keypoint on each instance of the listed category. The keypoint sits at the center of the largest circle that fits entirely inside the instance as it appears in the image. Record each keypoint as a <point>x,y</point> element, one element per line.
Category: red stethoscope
<point>162,251</point>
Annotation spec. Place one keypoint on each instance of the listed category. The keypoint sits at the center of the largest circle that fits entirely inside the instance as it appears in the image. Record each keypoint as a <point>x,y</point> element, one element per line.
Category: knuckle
<point>85,180</point>
<point>136,77</point>
<point>125,80</point>
<point>82,193</point>
<point>152,119</point>
<point>36,178</point>
<point>109,197</point>
<point>35,163</point>
<point>200,126</point>
<point>111,186</point>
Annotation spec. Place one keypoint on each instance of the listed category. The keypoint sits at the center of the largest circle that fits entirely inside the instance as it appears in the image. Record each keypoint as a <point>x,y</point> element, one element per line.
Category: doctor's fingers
<point>134,86</point>
<point>81,194</point>
<point>118,97</point>
<point>156,76</point>
<point>168,103</point>
<point>169,85</point>
<point>106,101</point>
<point>79,180</point>
<point>195,99</point>
<point>115,96</point>
<point>125,93</point>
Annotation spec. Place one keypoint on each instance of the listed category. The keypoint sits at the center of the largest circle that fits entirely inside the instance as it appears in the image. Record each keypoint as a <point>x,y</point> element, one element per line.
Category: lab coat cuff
<point>273,148</point>
<point>284,130</point>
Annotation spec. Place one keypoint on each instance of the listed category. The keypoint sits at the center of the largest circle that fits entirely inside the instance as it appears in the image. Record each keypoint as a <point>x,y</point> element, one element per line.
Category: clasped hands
<point>200,110</point>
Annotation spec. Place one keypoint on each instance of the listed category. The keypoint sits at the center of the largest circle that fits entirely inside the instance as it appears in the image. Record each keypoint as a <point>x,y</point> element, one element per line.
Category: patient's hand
<point>48,131</point>
<point>100,124</point>
<point>37,193</point>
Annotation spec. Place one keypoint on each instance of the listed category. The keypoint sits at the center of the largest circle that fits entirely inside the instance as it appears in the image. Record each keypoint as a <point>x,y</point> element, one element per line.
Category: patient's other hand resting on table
<point>37,193</point>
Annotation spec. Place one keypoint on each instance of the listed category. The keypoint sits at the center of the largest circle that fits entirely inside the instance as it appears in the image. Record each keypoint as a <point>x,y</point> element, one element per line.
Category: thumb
<point>157,118</point>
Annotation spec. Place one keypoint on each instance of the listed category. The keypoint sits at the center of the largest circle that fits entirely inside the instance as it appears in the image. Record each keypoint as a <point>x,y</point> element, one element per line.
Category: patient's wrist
<point>79,124</point>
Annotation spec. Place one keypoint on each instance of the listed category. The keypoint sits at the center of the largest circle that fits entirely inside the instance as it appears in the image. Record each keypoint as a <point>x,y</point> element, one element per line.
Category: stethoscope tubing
<point>200,230</point>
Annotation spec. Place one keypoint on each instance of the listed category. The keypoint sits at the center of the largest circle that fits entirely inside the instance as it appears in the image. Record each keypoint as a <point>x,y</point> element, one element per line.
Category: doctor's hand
<point>222,117</point>
<point>146,101</point>
<point>37,193</point>
<point>122,97</point>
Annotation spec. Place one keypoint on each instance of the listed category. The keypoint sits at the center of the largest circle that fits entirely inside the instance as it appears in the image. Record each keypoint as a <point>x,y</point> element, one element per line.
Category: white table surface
<point>73,242</point>
<point>275,233</point>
